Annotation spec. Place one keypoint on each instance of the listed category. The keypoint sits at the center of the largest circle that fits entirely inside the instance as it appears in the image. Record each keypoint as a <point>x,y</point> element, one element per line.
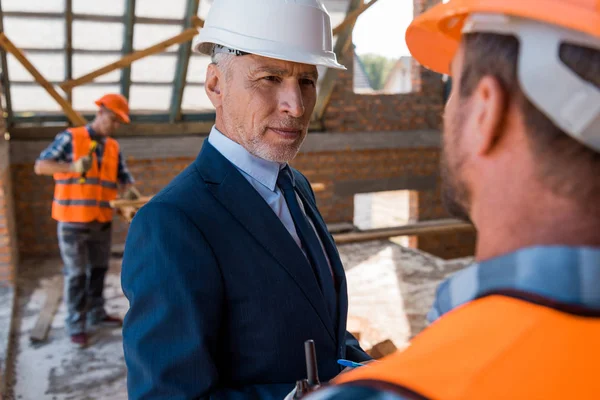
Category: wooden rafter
<point>93,17</point>
<point>341,46</point>
<point>183,60</point>
<point>71,114</point>
<point>352,17</point>
<point>184,36</point>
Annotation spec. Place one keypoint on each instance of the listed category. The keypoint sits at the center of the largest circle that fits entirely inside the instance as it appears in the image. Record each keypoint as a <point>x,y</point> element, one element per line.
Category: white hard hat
<point>290,30</point>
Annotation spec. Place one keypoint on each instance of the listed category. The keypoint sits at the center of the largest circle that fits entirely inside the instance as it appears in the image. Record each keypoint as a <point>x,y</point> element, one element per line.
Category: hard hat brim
<point>434,36</point>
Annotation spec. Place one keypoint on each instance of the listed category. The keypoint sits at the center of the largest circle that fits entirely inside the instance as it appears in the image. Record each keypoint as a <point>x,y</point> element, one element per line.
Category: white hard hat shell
<point>290,30</point>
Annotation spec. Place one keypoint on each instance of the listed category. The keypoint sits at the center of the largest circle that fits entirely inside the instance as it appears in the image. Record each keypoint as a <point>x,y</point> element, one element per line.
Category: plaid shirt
<point>567,275</point>
<point>61,150</point>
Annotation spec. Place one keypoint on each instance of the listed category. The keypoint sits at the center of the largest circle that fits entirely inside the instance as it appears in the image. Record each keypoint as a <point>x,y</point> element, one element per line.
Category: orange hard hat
<point>434,36</point>
<point>117,104</point>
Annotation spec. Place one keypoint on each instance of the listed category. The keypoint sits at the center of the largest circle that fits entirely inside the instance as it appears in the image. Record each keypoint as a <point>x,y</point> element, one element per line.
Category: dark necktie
<point>309,240</point>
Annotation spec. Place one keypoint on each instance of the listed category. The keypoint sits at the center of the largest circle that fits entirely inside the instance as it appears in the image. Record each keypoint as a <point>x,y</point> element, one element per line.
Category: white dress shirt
<point>262,175</point>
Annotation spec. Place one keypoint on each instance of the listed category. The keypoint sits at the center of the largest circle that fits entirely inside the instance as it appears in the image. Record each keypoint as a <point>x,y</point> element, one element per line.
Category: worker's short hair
<point>566,166</point>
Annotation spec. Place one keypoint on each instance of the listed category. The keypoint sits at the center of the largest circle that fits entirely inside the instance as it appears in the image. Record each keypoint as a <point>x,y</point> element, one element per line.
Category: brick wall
<point>343,169</point>
<point>8,245</point>
<point>422,109</point>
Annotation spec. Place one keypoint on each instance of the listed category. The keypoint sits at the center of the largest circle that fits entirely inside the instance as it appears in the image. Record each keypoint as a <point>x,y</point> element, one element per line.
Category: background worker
<point>521,159</point>
<point>83,212</point>
<point>231,268</point>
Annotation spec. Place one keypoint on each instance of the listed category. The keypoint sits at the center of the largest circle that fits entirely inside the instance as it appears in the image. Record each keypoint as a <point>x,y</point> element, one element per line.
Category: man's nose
<point>290,99</point>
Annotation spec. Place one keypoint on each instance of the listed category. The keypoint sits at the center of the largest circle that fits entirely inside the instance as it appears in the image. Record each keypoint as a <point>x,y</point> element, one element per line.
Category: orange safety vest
<point>494,348</point>
<point>88,201</point>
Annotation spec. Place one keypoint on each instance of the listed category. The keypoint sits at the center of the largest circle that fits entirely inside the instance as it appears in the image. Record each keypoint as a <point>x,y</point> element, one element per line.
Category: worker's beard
<point>263,144</point>
<point>455,194</point>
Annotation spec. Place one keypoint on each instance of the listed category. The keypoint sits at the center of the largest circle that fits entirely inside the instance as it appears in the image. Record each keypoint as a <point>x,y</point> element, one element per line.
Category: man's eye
<point>309,82</point>
<point>272,78</point>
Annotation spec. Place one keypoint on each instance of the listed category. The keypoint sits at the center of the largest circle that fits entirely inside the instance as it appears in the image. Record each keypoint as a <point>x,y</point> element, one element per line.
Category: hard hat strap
<point>227,50</point>
<point>572,103</point>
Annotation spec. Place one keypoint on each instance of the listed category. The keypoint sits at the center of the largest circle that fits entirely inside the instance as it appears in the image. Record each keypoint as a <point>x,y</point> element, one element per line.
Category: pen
<point>348,363</point>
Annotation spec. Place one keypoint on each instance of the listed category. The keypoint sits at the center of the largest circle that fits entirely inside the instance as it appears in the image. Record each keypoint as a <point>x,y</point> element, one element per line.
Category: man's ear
<point>212,85</point>
<point>489,108</point>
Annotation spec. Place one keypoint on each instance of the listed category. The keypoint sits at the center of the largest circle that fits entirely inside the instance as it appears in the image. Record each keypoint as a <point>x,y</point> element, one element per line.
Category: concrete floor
<point>56,370</point>
<point>390,290</point>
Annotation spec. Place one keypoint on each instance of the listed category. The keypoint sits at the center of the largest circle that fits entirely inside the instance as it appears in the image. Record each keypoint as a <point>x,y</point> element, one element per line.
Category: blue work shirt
<point>568,275</point>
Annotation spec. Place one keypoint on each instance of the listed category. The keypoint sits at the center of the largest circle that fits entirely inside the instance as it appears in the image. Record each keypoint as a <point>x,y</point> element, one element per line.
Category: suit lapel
<point>334,259</point>
<point>234,192</point>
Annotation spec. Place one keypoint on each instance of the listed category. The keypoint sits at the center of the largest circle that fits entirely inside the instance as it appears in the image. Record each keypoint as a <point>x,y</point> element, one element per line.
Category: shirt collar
<point>93,134</point>
<point>568,275</point>
<point>263,171</point>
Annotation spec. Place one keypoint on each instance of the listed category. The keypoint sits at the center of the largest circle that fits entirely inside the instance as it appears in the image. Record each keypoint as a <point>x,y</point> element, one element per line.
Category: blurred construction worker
<point>521,159</point>
<point>86,180</point>
<point>231,268</point>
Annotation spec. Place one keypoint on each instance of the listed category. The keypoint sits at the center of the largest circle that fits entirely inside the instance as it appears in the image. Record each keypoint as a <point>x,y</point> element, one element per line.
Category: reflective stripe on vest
<point>496,347</point>
<point>88,201</point>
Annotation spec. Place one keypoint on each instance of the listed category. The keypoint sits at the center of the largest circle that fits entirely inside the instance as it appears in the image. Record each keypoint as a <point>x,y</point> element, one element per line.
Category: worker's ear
<point>489,109</point>
<point>212,85</point>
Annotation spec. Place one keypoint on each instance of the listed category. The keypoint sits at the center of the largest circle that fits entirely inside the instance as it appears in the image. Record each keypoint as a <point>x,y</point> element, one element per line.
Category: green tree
<point>377,68</point>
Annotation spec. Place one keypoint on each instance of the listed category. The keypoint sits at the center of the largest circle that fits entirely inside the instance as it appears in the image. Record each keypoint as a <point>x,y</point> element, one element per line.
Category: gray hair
<point>222,60</point>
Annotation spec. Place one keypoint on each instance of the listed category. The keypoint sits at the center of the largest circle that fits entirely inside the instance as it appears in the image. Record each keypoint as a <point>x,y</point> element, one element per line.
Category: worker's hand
<point>82,165</point>
<point>131,193</point>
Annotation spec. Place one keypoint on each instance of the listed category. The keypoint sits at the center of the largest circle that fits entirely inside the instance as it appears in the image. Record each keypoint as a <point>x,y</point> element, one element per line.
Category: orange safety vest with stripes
<point>495,347</point>
<point>87,201</point>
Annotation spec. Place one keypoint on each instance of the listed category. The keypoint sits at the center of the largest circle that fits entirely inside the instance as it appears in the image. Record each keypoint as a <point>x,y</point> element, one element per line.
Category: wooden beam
<point>328,82</point>
<point>93,52</point>
<point>109,83</point>
<point>69,46</point>
<point>5,77</point>
<point>54,292</point>
<point>94,17</point>
<point>419,228</point>
<point>352,17</point>
<point>137,129</point>
<point>197,22</point>
<point>129,18</point>
<point>73,115</point>
<point>181,70</point>
<point>184,36</point>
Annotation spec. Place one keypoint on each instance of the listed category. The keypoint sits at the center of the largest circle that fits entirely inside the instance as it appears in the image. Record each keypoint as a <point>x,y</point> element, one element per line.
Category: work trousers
<point>85,251</point>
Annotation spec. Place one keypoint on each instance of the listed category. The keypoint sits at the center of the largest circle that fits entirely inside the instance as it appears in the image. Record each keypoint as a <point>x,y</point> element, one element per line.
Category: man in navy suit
<point>230,268</point>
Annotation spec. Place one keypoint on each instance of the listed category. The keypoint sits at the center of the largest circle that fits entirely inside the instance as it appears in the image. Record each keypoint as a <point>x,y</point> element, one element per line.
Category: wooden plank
<point>329,80</point>
<point>129,18</point>
<point>5,77</point>
<point>197,22</point>
<point>130,203</point>
<point>91,52</point>
<point>352,17</point>
<point>419,228</point>
<point>54,292</point>
<point>183,60</point>
<point>73,116</point>
<point>94,17</point>
<point>184,36</point>
<point>382,349</point>
<point>318,187</point>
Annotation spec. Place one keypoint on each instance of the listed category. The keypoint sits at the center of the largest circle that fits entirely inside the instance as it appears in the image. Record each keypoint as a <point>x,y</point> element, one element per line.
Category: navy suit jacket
<point>221,297</point>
